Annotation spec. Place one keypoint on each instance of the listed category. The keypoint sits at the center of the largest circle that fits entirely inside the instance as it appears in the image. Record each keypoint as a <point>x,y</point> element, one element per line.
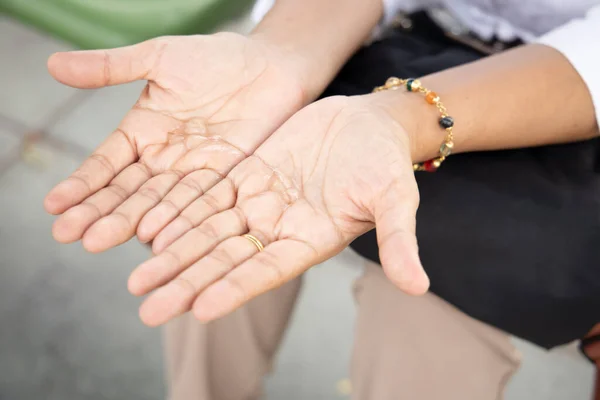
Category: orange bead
<point>432,98</point>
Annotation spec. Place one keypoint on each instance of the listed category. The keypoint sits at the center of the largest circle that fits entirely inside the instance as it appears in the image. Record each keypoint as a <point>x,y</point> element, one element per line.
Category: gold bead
<point>437,163</point>
<point>446,148</point>
<point>416,85</point>
<point>416,167</point>
<point>393,82</point>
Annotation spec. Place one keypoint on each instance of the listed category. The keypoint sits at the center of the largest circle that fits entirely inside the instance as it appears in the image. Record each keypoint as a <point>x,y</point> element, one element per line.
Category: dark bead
<point>446,122</point>
<point>409,84</point>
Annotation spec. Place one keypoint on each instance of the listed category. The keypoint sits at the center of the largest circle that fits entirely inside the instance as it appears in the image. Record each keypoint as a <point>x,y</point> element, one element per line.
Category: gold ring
<point>255,242</point>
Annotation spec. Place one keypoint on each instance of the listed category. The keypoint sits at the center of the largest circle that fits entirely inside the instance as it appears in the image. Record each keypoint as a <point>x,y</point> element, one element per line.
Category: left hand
<point>210,100</point>
<point>334,171</point>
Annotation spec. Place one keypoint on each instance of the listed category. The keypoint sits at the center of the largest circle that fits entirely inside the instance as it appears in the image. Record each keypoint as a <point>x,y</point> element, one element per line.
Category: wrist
<point>311,71</point>
<point>295,62</point>
<point>418,121</point>
<point>317,37</point>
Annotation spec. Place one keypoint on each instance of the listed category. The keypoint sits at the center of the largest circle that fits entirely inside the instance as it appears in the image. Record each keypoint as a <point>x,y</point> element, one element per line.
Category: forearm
<point>319,35</point>
<point>526,97</point>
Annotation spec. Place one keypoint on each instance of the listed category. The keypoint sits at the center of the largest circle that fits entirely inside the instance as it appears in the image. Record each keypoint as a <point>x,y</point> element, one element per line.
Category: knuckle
<point>266,237</point>
<point>82,178</point>
<point>170,204</point>
<point>240,217</point>
<point>192,185</point>
<point>209,229</point>
<point>143,169</point>
<point>177,174</point>
<point>174,256</point>
<point>151,194</point>
<point>125,219</point>
<point>239,287</point>
<point>222,257</point>
<point>104,162</point>
<point>127,138</point>
<point>184,218</point>
<point>118,191</point>
<point>186,284</point>
<point>94,207</point>
<point>211,202</point>
<point>107,67</point>
<point>271,264</point>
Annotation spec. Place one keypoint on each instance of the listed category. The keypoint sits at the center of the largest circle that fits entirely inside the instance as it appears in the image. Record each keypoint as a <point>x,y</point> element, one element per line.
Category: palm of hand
<point>328,175</point>
<point>201,113</point>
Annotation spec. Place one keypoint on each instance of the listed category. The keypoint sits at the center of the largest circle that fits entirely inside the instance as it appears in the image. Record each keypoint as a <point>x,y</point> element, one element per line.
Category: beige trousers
<point>414,348</point>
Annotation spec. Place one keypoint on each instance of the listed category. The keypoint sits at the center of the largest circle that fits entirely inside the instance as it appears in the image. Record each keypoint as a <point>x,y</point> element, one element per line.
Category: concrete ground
<point>68,327</point>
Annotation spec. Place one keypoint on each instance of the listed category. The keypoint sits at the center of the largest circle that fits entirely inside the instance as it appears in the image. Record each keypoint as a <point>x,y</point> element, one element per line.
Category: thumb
<point>98,68</point>
<point>395,221</point>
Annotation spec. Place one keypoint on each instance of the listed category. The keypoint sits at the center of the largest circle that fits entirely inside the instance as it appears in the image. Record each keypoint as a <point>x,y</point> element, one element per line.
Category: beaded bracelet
<point>445,121</point>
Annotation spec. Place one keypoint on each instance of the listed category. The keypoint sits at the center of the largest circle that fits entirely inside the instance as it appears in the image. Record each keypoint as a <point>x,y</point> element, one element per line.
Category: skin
<point>340,167</point>
<point>332,171</point>
<point>209,103</point>
<point>328,175</point>
<point>197,118</point>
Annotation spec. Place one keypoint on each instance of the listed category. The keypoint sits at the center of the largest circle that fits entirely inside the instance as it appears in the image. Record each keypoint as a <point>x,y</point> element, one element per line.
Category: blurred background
<point>68,327</point>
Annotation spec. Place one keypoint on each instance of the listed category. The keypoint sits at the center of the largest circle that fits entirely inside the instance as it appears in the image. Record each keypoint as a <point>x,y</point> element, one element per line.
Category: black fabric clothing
<point>511,238</point>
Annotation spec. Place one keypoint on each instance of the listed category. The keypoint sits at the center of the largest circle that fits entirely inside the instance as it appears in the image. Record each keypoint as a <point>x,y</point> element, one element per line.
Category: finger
<point>177,296</point>
<point>190,188</point>
<point>395,221</point>
<point>121,224</point>
<point>116,153</point>
<point>191,247</point>
<point>280,262</point>
<point>71,226</point>
<point>219,198</point>
<point>99,68</point>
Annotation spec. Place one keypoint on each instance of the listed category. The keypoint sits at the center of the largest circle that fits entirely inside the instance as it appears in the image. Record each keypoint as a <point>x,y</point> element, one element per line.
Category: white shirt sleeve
<point>261,8</point>
<point>579,42</point>
<point>391,8</point>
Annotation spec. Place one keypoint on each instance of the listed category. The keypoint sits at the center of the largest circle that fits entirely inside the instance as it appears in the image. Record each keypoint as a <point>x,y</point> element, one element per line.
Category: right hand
<point>336,169</point>
<point>210,101</point>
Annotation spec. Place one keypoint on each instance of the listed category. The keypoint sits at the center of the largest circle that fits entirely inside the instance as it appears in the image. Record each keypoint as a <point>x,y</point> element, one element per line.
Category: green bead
<point>446,148</point>
<point>409,84</point>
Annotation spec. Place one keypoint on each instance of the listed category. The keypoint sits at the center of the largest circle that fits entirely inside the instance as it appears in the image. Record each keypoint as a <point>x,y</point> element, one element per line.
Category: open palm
<point>209,102</point>
<point>332,172</point>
